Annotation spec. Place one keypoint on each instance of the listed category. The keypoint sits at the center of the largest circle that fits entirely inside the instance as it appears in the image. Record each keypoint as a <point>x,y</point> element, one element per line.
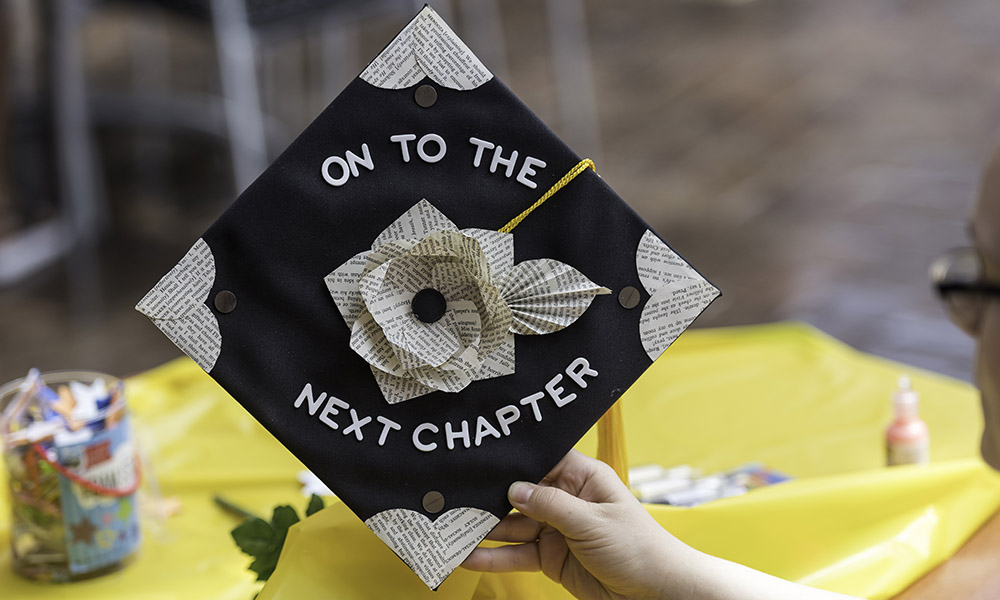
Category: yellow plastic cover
<point>785,395</point>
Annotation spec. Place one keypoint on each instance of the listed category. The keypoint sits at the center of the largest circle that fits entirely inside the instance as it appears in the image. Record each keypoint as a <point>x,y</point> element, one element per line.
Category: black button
<point>425,96</point>
<point>628,297</point>
<point>429,305</point>
<point>433,502</point>
<point>225,301</point>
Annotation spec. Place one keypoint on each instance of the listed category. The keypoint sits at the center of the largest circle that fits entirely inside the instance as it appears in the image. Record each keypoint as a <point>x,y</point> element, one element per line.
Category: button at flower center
<point>429,305</point>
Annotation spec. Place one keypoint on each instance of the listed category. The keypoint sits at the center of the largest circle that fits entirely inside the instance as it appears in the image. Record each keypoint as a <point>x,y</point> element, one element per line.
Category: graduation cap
<point>427,296</point>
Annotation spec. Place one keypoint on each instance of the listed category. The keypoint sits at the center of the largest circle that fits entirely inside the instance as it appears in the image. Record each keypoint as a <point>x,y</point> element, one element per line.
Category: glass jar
<point>72,472</point>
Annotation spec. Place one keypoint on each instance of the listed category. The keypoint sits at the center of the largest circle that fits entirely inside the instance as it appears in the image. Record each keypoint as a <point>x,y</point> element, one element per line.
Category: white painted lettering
<point>498,160</point>
<point>528,169</point>
<point>403,140</point>
<point>332,404</point>
<point>450,435</point>
<point>507,415</point>
<point>533,401</point>
<point>483,429</point>
<point>416,437</point>
<point>556,392</point>
<point>480,146</point>
<point>431,158</point>
<point>356,425</point>
<point>353,160</point>
<point>345,172</point>
<point>387,424</point>
<point>578,369</point>
<point>307,395</point>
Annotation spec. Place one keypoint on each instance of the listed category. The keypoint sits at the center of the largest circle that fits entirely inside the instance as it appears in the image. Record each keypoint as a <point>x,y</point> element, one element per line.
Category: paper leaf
<point>546,295</point>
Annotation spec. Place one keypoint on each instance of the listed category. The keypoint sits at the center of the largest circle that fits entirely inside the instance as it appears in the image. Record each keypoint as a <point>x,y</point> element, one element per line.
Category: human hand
<point>582,528</point>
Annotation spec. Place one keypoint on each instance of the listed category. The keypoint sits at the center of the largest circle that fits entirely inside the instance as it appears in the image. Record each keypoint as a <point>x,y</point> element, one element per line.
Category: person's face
<point>988,378</point>
<point>969,282</point>
<point>986,236</point>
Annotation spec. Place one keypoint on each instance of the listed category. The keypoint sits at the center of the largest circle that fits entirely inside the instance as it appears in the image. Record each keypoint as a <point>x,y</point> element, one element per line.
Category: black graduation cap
<point>427,296</point>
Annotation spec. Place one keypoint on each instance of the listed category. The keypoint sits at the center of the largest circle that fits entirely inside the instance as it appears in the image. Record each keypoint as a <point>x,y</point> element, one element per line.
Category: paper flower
<point>432,307</point>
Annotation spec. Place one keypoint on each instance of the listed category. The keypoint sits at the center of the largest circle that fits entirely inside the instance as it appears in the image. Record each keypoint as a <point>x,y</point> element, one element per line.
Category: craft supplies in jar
<point>73,474</point>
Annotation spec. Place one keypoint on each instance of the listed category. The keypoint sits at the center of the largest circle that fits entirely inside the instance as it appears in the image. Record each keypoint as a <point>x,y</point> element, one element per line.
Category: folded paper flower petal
<point>498,246</point>
<point>423,249</point>
<point>343,286</point>
<point>487,299</point>
<point>421,220</point>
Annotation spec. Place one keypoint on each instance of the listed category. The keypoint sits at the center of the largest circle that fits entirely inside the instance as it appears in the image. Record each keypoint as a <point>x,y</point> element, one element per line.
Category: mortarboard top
<point>373,301</point>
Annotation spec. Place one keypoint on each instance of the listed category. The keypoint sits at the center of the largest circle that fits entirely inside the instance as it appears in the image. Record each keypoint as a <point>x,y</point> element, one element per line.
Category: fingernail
<point>520,492</point>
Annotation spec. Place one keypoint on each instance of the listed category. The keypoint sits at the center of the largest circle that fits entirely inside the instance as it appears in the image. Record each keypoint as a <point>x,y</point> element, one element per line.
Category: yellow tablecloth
<point>785,395</point>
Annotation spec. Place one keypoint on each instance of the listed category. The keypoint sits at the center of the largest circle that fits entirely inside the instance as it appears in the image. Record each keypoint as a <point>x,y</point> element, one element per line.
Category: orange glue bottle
<point>907,439</point>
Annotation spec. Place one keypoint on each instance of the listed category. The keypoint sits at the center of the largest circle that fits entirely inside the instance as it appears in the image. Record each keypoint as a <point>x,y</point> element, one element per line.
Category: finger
<point>572,516</point>
<point>515,527</point>
<point>586,478</point>
<point>504,559</point>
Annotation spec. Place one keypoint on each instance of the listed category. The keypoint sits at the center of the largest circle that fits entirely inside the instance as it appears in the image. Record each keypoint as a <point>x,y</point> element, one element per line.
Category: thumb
<point>545,504</point>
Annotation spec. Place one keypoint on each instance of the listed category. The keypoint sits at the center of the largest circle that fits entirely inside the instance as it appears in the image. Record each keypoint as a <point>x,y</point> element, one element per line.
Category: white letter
<point>555,392</point>
<point>449,435</point>
<point>507,415</point>
<point>403,138</point>
<point>385,430</point>
<point>307,395</point>
<point>498,159</point>
<point>577,369</point>
<point>356,425</point>
<point>354,160</point>
<point>533,401</point>
<point>480,145</point>
<point>416,437</point>
<point>527,169</point>
<point>343,165</point>
<point>332,403</point>
<point>431,137</point>
<point>483,429</point>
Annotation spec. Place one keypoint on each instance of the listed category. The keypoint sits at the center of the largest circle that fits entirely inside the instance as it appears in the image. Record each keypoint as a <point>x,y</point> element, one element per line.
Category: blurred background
<point>809,157</point>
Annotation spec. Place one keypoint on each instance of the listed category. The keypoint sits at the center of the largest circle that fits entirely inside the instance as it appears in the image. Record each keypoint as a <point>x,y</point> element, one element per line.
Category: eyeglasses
<point>961,280</point>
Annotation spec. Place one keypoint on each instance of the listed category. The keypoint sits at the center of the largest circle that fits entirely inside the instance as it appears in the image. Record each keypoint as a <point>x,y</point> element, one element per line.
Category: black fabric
<point>291,228</point>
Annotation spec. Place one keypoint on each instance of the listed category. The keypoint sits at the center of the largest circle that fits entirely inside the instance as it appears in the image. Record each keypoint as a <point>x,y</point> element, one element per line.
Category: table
<point>784,394</point>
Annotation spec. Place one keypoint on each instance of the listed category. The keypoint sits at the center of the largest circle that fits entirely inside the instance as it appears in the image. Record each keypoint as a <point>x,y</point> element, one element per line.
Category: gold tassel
<point>611,446</point>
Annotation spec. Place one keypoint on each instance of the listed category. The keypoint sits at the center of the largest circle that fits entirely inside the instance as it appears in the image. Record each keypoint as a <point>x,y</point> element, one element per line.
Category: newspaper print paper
<point>489,299</point>
<point>177,306</point>
<point>433,549</point>
<point>678,294</point>
<point>427,47</point>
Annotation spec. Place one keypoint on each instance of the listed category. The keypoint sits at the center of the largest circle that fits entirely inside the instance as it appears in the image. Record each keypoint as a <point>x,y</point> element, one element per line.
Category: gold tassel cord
<point>580,167</point>
<point>611,447</point>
